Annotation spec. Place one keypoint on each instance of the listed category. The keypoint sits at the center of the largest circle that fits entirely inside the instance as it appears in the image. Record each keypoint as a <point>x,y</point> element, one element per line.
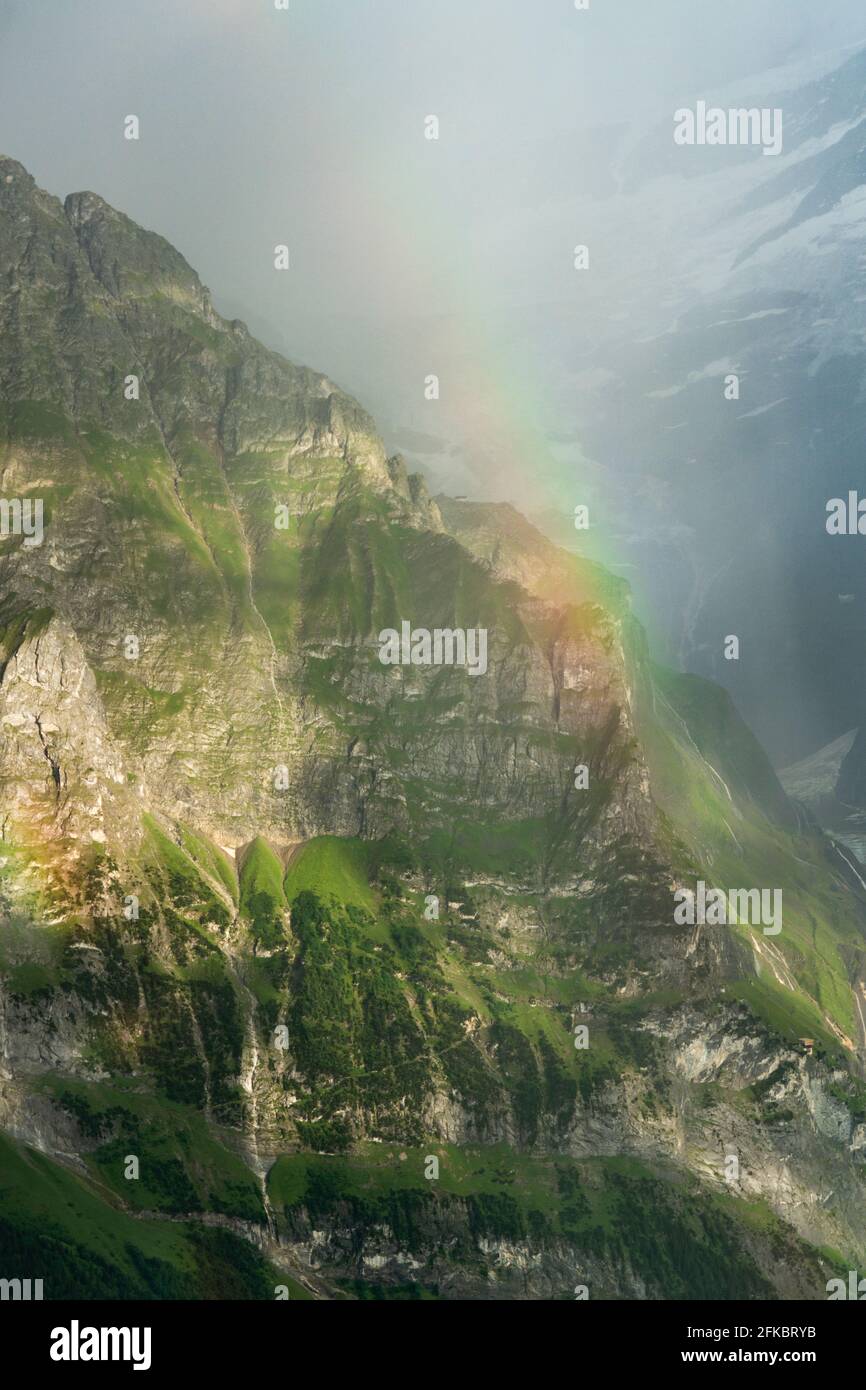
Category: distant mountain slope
<point>721,504</point>
<point>816,777</point>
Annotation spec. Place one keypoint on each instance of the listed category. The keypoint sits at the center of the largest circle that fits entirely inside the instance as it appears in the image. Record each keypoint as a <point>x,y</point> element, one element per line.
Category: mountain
<point>830,786</point>
<point>851,785</point>
<point>706,262</point>
<point>767,286</point>
<point>354,978</point>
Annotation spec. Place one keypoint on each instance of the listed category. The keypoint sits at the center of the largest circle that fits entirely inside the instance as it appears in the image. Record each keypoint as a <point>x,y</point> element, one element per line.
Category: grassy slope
<point>680,1240</point>
<point>182,1167</point>
<point>262,900</point>
<point>62,1228</point>
<point>332,867</point>
<point>725,805</point>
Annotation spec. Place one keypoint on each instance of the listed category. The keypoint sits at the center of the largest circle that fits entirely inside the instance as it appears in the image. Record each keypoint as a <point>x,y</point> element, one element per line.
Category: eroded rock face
<point>165,439</point>
<point>64,782</point>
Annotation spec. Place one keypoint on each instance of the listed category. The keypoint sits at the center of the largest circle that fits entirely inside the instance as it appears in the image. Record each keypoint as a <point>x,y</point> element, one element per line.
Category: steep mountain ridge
<point>286,923</point>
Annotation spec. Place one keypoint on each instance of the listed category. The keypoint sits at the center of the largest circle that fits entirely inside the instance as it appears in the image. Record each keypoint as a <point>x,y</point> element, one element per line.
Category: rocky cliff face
<point>851,786</point>
<point>374,961</point>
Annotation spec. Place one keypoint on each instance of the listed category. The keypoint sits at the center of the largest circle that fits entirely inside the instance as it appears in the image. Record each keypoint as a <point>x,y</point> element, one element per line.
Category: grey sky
<point>260,126</point>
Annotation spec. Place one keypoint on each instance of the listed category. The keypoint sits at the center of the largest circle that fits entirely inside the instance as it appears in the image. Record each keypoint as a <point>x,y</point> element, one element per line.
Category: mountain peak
<point>129,260</point>
<point>19,191</point>
<point>10,170</point>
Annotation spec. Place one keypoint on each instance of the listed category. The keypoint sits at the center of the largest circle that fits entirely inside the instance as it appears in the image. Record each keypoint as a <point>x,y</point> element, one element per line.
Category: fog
<point>306,127</point>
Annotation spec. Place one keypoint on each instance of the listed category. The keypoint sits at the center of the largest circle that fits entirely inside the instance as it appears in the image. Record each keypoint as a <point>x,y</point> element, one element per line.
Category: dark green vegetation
<point>612,1215</point>
<point>60,1228</point>
<point>181,1168</point>
<point>385,1011</point>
